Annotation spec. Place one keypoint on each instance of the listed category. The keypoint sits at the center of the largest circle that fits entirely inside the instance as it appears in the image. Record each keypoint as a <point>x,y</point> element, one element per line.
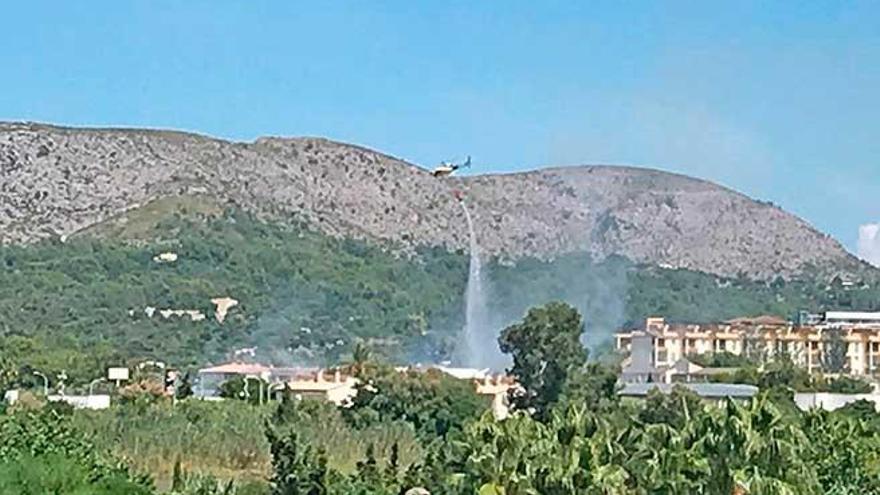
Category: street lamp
<point>273,387</point>
<point>62,377</point>
<point>247,394</point>
<point>93,383</point>
<point>45,382</point>
<point>244,394</point>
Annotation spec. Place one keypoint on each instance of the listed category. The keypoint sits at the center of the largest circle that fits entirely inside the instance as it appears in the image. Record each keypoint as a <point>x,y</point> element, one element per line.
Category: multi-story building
<point>805,341</point>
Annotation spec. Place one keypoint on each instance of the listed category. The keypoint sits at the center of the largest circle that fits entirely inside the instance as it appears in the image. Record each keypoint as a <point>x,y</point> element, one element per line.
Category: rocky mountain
<point>57,181</point>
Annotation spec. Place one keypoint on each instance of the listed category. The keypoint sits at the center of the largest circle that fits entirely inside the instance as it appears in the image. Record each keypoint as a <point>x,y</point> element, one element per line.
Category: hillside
<point>55,182</point>
<point>305,297</point>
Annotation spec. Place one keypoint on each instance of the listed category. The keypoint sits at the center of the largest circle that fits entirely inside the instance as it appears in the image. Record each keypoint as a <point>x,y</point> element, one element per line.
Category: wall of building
<point>804,344</point>
<point>830,402</point>
<point>83,401</point>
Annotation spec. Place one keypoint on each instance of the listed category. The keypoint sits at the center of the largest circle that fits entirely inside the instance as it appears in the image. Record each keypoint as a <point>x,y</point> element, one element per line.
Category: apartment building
<point>805,341</point>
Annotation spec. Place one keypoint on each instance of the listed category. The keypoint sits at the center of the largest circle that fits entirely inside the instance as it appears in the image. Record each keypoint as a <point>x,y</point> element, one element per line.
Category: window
<point>661,342</point>
<point>661,357</point>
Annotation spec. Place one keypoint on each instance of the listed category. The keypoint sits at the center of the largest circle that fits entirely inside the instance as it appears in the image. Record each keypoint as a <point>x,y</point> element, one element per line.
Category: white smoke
<point>869,243</point>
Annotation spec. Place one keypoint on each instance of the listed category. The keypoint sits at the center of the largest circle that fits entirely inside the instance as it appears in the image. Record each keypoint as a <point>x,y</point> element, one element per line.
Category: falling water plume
<point>478,347</point>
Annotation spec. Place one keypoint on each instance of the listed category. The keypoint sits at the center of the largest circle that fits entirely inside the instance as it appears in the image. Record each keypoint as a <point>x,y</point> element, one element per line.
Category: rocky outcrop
<point>56,181</point>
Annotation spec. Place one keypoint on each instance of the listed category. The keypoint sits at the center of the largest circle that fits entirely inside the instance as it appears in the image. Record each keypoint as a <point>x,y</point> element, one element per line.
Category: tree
<point>142,393</point>
<point>244,388</point>
<point>546,351</point>
<point>435,403</point>
<point>594,385</point>
<point>783,372</point>
<point>722,359</point>
<point>674,409</point>
<point>845,452</point>
<point>361,354</point>
<point>54,473</point>
<point>834,349</point>
<point>8,374</point>
<point>41,452</point>
<point>184,388</point>
<point>297,469</point>
<point>753,446</point>
<point>848,385</point>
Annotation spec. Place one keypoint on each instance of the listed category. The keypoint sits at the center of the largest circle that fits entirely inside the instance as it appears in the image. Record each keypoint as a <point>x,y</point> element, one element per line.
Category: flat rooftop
<point>704,390</point>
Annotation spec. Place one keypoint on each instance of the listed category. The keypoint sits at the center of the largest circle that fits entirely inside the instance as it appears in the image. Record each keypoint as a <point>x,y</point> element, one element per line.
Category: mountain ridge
<point>58,180</point>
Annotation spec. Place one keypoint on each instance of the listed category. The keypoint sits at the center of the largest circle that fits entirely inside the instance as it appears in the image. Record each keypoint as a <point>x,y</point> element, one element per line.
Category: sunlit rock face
<point>56,182</point>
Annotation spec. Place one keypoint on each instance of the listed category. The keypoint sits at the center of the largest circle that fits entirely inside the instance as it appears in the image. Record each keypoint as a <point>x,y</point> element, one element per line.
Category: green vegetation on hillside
<point>80,305</point>
<point>306,298</point>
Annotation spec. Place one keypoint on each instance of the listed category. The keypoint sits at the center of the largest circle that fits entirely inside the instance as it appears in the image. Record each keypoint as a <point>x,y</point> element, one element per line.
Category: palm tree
<point>754,446</point>
<point>361,354</point>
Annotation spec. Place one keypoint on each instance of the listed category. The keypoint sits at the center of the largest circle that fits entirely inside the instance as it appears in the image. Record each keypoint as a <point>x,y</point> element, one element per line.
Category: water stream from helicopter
<point>475,347</point>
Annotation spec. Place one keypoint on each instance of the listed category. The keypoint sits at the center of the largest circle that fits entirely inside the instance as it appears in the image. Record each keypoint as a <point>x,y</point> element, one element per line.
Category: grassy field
<point>226,439</point>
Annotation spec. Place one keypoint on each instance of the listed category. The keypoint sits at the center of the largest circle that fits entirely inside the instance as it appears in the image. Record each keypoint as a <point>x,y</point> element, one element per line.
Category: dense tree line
<point>569,433</point>
<point>668,444</point>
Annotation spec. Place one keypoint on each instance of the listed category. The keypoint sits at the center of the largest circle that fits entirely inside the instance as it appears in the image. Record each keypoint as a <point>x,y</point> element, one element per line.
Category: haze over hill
<point>57,181</point>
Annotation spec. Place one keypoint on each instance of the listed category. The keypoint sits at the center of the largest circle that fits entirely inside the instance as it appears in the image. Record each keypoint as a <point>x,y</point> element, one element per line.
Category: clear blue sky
<point>780,100</point>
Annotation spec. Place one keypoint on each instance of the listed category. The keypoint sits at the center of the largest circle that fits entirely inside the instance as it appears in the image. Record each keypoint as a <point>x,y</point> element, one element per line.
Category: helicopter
<point>447,168</point>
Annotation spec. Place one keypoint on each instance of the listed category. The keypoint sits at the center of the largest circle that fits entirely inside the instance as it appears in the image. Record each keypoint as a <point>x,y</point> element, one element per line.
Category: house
<point>333,387</point>
<point>302,382</point>
<point>339,388</point>
<point>465,373</point>
<point>210,379</point>
<point>497,389</point>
